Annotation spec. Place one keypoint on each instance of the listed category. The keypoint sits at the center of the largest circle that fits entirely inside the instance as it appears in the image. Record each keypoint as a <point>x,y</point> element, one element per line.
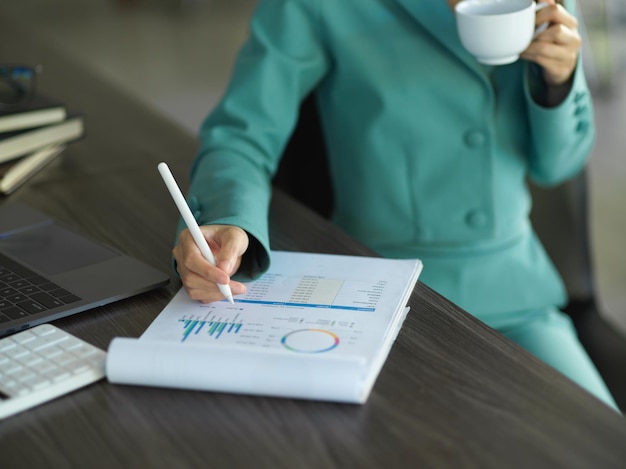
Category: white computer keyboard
<point>42,363</point>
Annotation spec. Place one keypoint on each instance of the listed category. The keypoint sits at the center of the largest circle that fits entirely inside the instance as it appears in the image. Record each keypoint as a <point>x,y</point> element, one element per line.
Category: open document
<point>315,326</point>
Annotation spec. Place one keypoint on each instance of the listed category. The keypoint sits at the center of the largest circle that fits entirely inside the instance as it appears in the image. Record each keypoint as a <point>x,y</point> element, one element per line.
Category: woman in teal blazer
<point>429,153</point>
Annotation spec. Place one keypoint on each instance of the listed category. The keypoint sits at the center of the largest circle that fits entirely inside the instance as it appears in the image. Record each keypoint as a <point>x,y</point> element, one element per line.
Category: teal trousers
<point>550,335</point>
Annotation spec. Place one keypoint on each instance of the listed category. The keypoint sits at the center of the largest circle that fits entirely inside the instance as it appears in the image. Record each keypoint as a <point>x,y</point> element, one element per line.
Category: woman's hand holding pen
<point>556,49</point>
<point>199,277</point>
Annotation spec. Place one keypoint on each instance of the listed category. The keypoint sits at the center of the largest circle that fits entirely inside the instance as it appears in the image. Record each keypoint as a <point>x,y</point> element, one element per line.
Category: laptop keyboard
<point>23,292</point>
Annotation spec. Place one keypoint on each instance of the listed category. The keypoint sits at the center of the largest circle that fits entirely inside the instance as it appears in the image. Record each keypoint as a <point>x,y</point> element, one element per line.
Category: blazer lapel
<point>435,16</point>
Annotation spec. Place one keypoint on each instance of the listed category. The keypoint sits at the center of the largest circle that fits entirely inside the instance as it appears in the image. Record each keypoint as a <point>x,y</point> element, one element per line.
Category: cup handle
<point>543,26</point>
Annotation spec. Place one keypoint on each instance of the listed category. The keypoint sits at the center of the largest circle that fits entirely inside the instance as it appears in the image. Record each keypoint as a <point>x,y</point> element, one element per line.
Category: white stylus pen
<point>191,223</point>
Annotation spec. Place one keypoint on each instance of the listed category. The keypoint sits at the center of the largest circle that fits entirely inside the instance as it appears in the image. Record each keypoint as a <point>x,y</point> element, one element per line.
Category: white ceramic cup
<point>496,31</point>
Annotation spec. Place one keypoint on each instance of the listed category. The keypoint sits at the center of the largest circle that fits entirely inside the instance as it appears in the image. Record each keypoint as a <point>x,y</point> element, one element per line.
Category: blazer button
<point>582,126</point>
<point>475,138</point>
<point>476,218</point>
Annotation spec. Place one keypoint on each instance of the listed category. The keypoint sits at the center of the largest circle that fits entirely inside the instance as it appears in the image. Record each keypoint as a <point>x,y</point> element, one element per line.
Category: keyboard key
<point>19,284</point>
<point>47,300</point>
<point>24,337</point>
<point>31,307</point>
<point>53,351</point>
<point>8,368</point>
<point>46,341</point>
<point>31,360</point>
<point>29,290</point>
<point>71,344</point>
<point>15,313</point>
<point>64,359</point>
<point>49,286</point>
<point>16,298</point>
<point>37,280</point>
<point>8,278</point>
<point>16,352</point>
<point>44,329</point>
<point>69,299</point>
<point>7,345</point>
<point>8,291</point>
<point>59,292</point>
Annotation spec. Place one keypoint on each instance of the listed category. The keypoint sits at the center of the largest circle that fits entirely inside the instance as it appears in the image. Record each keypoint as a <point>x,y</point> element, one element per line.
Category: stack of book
<point>31,137</point>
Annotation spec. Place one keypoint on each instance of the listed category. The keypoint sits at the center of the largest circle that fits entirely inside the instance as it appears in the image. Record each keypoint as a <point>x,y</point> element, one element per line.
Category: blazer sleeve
<point>562,136</point>
<point>243,137</point>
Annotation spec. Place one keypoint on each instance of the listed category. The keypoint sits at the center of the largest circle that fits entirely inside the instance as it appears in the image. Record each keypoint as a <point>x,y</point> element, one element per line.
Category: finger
<point>557,42</point>
<point>547,55</point>
<point>202,288</point>
<point>208,292</point>
<point>551,51</point>
<point>556,71</point>
<point>560,34</point>
<point>556,14</point>
<point>204,295</point>
<point>233,242</point>
<point>194,281</point>
<point>189,257</point>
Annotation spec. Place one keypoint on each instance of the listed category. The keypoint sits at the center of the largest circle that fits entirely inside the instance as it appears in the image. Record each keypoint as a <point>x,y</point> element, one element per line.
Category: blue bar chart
<point>212,327</point>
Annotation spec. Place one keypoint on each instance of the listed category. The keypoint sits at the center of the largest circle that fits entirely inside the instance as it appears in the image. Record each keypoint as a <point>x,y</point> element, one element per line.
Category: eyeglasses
<point>17,85</point>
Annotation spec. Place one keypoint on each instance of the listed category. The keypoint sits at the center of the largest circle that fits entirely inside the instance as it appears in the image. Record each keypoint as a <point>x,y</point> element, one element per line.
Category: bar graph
<point>212,327</point>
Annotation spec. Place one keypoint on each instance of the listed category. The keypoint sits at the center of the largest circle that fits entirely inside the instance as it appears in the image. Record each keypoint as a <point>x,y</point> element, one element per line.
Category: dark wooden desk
<point>452,394</point>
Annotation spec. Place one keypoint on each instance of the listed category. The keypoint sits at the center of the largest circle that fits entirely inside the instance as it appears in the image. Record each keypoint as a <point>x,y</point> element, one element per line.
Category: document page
<point>316,325</point>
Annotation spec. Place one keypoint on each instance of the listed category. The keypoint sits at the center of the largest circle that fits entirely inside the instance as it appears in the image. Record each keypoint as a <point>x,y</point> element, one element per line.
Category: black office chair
<point>303,171</point>
<point>560,216</point>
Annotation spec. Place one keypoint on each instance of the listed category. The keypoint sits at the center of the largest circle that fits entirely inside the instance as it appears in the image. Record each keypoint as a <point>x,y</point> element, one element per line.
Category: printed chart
<point>319,305</point>
<point>315,326</point>
<point>253,325</point>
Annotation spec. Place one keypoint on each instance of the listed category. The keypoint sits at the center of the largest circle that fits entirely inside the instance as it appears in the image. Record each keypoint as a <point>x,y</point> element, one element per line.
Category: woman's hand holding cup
<point>499,32</point>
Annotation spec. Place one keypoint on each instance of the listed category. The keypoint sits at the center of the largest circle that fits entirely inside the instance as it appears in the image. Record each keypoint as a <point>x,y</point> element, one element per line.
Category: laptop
<point>49,271</point>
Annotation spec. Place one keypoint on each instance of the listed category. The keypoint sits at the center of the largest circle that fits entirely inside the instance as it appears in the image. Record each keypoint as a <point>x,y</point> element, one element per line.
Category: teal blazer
<point>430,151</point>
